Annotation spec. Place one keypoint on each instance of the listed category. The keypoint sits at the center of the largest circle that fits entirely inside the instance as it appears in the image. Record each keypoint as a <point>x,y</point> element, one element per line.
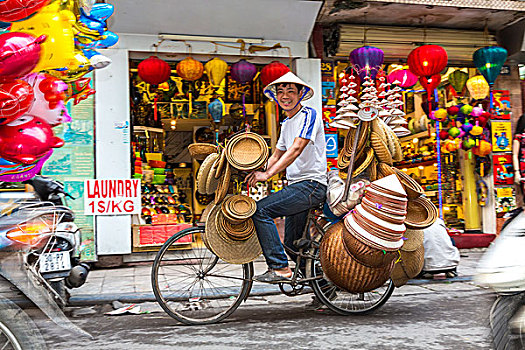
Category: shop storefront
<point>143,131</point>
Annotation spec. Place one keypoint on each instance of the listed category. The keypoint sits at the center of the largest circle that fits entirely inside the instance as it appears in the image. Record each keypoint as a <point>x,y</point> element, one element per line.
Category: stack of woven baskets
<point>360,254</point>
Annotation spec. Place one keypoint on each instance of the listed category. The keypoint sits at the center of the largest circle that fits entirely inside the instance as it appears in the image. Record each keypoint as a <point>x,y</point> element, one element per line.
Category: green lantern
<point>458,79</point>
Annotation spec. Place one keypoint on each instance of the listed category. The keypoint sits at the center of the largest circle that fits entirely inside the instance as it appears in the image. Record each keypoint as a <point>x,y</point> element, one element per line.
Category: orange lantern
<point>483,149</point>
<point>216,70</point>
<point>478,87</point>
<point>190,69</point>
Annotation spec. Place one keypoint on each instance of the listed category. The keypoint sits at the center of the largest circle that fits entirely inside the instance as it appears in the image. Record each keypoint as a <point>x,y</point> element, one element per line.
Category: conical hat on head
<point>271,89</point>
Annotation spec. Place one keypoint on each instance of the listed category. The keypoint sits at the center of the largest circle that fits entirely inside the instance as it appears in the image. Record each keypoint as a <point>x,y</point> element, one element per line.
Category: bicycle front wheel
<point>339,300</point>
<point>193,285</point>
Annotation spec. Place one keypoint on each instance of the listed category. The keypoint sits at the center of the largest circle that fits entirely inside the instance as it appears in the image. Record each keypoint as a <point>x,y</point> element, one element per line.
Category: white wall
<point>309,70</point>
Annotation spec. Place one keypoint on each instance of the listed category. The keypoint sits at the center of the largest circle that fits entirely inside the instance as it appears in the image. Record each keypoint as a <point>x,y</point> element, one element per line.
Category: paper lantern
<point>454,132</point>
<point>190,69</point>
<point>441,114</point>
<point>467,127</point>
<point>216,108</point>
<point>154,71</point>
<point>405,78</point>
<point>427,60</point>
<point>272,72</point>
<point>443,134</point>
<point>453,110</point>
<point>489,61</point>
<point>476,130</point>
<point>478,87</point>
<point>243,71</point>
<point>483,148</point>
<point>468,144</point>
<point>430,83</point>
<point>458,79</point>
<point>477,111</point>
<point>216,70</point>
<point>466,109</point>
<point>367,60</point>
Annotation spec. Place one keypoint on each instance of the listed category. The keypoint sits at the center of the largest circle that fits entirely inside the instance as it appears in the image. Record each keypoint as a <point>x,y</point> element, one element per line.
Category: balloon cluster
<point>43,56</point>
<point>464,126</point>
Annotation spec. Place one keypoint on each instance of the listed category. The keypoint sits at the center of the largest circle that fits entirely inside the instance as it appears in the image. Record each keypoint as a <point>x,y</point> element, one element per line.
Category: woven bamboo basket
<point>421,213</point>
<point>381,149</point>
<point>412,188</point>
<point>200,151</point>
<point>247,151</point>
<point>410,265</point>
<point>384,170</point>
<point>344,270</point>
<point>365,254</point>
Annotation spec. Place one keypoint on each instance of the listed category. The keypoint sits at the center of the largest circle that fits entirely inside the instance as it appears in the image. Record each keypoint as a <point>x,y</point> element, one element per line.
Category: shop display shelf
<point>419,135</point>
<point>138,128</point>
<point>412,165</point>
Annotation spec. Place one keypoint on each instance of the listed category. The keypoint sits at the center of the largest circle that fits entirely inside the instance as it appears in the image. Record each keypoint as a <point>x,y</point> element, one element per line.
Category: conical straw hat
<point>391,184</point>
<point>271,89</point>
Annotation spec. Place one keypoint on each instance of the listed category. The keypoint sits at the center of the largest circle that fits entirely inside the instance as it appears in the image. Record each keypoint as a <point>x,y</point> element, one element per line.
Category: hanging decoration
<point>243,71</point>
<point>216,110</point>
<point>190,69</point>
<point>427,60</point>
<point>367,61</point>
<point>430,83</point>
<point>154,71</point>
<point>405,78</point>
<point>478,87</point>
<point>458,79</point>
<point>19,54</point>
<point>272,72</point>
<point>216,70</point>
<point>489,61</point>
<point>16,10</point>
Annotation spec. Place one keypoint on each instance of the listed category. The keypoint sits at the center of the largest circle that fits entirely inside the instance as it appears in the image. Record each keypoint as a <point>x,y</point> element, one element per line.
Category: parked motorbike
<point>30,232</point>
<point>503,268</point>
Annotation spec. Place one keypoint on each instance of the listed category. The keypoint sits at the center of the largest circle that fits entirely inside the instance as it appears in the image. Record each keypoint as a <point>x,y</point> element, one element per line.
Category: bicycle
<point>196,287</point>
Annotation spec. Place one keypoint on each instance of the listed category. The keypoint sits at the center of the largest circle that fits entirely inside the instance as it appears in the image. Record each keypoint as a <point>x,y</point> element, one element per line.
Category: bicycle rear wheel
<point>193,285</point>
<point>339,300</point>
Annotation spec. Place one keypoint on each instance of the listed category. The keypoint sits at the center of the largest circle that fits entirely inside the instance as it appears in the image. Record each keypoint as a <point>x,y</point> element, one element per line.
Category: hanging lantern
<point>216,70</point>
<point>430,83</point>
<point>243,71</point>
<point>478,87</point>
<point>190,69</point>
<point>489,61</point>
<point>405,78</point>
<point>272,72</point>
<point>216,108</point>
<point>458,79</point>
<point>367,61</point>
<point>427,60</point>
<point>154,71</point>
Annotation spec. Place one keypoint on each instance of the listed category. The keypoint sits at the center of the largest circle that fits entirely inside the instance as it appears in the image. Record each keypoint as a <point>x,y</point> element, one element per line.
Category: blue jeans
<point>294,202</point>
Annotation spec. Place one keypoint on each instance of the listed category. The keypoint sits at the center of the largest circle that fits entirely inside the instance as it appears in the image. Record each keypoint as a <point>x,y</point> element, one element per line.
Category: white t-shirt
<point>311,163</point>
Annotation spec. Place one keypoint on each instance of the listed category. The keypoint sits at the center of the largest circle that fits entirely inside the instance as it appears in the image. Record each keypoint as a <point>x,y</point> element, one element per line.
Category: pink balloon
<point>40,107</point>
<point>16,172</point>
<point>19,54</point>
<point>405,77</point>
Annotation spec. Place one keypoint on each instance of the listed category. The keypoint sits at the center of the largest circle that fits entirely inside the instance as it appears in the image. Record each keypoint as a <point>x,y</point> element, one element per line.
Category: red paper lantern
<point>272,72</point>
<point>430,83</point>
<point>427,60</point>
<point>154,71</point>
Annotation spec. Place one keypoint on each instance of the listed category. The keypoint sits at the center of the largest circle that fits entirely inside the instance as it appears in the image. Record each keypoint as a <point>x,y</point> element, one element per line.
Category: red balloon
<point>154,71</point>
<point>19,54</point>
<point>427,60</point>
<point>54,90</point>
<point>15,10</point>
<point>26,139</point>
<point>429,84</point>
<point>272,72</point>
<point>16,97</point>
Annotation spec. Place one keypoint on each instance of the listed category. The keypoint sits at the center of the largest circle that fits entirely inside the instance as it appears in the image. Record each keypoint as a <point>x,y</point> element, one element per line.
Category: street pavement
<point>425,314</point>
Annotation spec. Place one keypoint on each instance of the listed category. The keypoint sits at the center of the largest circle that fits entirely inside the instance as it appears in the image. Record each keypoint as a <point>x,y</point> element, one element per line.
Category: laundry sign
<point>112,197</point>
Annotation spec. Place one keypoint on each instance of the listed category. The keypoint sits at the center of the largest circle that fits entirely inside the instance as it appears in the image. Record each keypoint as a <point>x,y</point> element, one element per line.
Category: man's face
<point>287,96</point>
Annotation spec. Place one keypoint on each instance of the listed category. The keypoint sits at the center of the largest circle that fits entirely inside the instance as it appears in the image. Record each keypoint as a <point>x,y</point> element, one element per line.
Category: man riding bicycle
<point>301,151</point>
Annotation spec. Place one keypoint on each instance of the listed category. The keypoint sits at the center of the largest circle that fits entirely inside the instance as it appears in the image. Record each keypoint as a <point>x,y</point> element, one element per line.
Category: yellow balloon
<point>478,87</point>
<point>216,70</point>
<point>58,51</point>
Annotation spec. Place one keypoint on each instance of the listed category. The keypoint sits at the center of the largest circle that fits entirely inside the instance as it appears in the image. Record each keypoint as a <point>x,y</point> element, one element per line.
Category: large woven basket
<point>421,213</point>
<point>410,264</point>
<point>200,151</point>
<point>380,148</point>
<point>247,151</point>
<point>365,254</point>
<point>384,170</point>
<point>412,188</point>
<point>344,270</point>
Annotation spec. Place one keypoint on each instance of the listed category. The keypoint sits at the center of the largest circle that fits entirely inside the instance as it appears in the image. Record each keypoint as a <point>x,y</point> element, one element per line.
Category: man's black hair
<point>297,86</point>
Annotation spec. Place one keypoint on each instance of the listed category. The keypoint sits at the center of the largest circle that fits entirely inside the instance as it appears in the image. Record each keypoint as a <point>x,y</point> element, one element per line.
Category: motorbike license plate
<point>52,262</point>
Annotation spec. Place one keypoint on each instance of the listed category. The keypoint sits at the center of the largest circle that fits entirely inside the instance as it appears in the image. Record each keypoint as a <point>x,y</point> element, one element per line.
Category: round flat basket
<point>224,184</point>
<point>204,170</point>
<point>211,181</point>
<point>410,265</point>
<point>381,149</point>
<point>220,166</point>
<point>363,162</point>
<point>229,250</point>
<point>247,151</point>
<point>240,207</point>
<point>421,213</point>
<point>344,270</point>
<point>200,151</point>
<point>412,188</point>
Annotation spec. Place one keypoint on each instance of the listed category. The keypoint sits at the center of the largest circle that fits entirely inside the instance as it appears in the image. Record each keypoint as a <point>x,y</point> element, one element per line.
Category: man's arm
<point>282,162</point>
<point>516,160</point>
<point>277,154</point>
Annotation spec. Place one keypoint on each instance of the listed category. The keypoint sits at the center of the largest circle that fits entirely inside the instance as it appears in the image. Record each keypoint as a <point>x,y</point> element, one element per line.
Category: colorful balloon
<point>26,139</point>
<point>19,54</point>
<point>16,97</point>
<point>458,79</point>
<point>79,90</point>
<point>489,61</point>
<point>367,61</point>
<point>16,172</point>
<point>478,87</point>
<point>405,78</point>
<point>16,10</point>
